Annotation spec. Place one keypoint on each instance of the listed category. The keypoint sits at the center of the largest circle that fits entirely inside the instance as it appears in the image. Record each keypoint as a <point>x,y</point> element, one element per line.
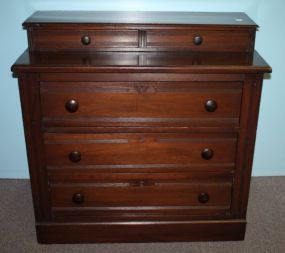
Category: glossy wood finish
<point>130,149</point>
<point>140,102</point>
<point>75,18</point>
<point>138,62</point>
<point>141,193</point>
<point>211,198</point>
<point>72,40</point>
<point>199,40</point>
<point>140,31</point>
<point>29,95</point>
<point>140,122</point>
<point>147,40</point>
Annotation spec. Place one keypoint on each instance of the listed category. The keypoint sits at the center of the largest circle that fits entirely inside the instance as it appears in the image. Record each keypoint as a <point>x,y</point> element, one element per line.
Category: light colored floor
<point>265,230</point>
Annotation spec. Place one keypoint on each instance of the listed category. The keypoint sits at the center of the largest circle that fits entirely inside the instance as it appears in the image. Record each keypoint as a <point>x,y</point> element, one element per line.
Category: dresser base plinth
<point>229,230</point>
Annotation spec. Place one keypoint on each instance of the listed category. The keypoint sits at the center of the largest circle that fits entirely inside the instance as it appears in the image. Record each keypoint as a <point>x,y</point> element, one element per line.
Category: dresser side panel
<point>246,143</point>
<point>30,102</point>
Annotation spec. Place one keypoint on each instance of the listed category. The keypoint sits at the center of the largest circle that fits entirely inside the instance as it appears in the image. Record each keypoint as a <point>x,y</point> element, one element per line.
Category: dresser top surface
<point>141,62</point>
<point>123,17</point>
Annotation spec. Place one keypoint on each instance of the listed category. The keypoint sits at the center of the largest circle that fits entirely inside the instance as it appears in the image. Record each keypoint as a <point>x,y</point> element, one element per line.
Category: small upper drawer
<point>136,39</point>
<point>58,40</point>
<point>145,40</point>
<point>142,31</point>
<point>200,40</point>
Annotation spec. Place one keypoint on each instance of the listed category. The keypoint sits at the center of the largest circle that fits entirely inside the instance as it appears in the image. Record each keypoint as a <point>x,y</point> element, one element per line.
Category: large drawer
<point>150,200</point>
<point>138,149</point>
<point>148,193</point>
<point>140,103</point>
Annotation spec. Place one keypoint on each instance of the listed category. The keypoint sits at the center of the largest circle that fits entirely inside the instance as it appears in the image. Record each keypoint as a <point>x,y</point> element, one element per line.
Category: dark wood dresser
<point>140,127</point>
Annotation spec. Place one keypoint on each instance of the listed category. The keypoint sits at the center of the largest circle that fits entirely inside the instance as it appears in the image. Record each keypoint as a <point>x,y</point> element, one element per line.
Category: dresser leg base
<point>229,230</point>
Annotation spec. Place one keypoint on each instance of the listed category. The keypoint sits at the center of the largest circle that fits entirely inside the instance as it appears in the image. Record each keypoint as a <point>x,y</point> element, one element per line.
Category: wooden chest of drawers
<point>140,126</point>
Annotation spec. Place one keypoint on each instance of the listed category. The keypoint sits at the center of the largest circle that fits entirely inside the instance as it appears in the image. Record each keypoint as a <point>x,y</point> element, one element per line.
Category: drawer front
<point>83,40</point>
<point>151,193</point>
<point>138,149</point>
<point>194,39</point>
<point>201,40</point>
<point>110,103</point>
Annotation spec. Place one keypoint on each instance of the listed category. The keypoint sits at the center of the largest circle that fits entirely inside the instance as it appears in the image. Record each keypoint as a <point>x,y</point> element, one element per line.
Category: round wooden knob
<point>211,105</point>
<point>197,40</point>
<point>71,105</point>
<point>86,40</point>
<point>78,198</point>
<point>75,156</point>
<point>207,153</point>
<point>203,197</point>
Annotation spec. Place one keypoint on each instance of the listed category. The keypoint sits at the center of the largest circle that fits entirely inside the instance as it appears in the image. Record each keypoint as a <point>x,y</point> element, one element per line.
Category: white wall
<point>269,156</point>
